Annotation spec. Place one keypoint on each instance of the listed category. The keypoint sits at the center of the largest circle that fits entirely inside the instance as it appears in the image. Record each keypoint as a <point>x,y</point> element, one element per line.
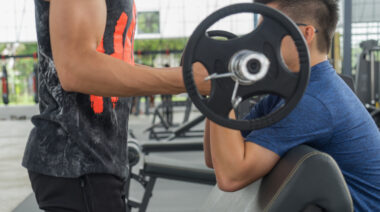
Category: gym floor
<point>167,196</point>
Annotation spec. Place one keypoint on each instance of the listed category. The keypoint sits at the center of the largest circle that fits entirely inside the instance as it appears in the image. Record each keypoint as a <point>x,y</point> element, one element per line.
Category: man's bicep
<point>261,158</point>
<point>76,25</point>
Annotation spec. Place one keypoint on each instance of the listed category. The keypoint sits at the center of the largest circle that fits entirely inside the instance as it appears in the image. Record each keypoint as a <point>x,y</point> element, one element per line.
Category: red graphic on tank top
<point>97,104</point>
<point>121,52</point>
<point>114,101</point>
<point>129,41</point>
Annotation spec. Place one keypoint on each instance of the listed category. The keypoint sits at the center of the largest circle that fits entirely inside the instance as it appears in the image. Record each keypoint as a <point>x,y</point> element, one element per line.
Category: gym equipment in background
<point>367,73</point>
<point>367,81</point>
<point>163,126</point>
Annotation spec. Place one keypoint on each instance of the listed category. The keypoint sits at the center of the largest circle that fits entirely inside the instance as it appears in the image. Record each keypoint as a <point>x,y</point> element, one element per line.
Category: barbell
<point>246,66</point>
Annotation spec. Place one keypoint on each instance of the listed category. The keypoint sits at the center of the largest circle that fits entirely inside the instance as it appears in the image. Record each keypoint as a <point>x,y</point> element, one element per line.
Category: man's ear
<point>309,34</point>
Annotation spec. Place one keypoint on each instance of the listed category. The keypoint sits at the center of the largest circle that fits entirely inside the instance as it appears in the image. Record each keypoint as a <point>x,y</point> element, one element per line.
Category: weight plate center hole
<point>254,66</point>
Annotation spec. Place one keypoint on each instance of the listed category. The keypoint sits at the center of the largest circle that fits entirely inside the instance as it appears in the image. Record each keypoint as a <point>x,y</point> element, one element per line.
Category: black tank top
<point>77,134</point>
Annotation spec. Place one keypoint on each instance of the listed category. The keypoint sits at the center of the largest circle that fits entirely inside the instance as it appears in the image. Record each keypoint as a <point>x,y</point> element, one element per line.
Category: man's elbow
<point>66,76</point>
<point>230,185</point>
<point>209,164</point>
<point>235,182</point>
<point>66,85</point>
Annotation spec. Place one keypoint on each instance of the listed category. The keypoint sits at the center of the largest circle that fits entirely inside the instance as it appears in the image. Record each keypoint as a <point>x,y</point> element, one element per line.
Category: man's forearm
<point>236,162</point>
<point>103,75</point>
<point>227,149</point>
<point>206,144</point>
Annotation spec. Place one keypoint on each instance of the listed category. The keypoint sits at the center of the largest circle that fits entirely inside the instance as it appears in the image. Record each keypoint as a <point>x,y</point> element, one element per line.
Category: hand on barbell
<point>200,74</point>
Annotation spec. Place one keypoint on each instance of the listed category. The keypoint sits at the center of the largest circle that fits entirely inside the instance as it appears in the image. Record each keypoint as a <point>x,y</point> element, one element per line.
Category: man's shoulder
<point>328,87</point>
<point>312,105</point>
<point>313,99</point>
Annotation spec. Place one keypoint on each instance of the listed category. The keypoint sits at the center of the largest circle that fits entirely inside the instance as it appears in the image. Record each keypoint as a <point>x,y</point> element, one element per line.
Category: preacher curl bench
<point>304,180</point>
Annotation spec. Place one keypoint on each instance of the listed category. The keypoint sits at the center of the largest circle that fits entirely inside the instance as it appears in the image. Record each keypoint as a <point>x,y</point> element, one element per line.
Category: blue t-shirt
<point>329,118</point>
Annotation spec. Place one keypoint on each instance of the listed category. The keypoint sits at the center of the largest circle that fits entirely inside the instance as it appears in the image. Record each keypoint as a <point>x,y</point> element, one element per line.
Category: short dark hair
<point>324,14</point>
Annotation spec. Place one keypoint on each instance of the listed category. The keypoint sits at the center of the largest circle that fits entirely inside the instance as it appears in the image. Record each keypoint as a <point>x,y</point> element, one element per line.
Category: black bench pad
<point>304,180</point>
<point>172,146</point>
<point>178,170</point>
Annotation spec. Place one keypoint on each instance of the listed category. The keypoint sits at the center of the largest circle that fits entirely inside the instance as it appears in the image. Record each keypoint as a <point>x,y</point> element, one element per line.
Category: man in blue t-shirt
<point>329,118</point>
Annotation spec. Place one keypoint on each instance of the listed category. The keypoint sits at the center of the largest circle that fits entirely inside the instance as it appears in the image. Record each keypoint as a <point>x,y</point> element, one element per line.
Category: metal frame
<point>147,178</point>
<point>347,42</point>
<point>182,130</point>
<point>148,191</point>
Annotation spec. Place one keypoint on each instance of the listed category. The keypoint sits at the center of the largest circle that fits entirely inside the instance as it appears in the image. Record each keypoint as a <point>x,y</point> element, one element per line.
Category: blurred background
<point>162,31</point>
<point>163,28</point>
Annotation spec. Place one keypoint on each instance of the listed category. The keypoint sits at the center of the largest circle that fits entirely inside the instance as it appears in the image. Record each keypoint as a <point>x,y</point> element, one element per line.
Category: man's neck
<point>314,60</point>
<point>317,59</point>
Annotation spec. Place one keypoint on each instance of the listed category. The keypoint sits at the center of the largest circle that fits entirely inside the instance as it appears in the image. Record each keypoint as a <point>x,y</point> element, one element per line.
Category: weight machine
<point>368,78</point>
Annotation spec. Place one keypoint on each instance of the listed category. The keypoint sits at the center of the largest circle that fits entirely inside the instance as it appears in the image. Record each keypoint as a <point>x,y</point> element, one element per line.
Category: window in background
<point>148,22</point>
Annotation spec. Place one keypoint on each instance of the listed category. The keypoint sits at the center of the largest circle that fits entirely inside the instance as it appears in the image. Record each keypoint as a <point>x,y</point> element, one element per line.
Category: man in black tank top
<point>76,153</point>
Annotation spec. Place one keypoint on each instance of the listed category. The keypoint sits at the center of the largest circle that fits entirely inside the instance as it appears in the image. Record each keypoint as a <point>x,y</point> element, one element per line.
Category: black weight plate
<point>216,33</point>
<point>215,54</point>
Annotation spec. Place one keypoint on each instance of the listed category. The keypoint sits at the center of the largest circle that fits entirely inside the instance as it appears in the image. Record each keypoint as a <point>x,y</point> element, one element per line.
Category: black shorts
<point>89,193</point>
